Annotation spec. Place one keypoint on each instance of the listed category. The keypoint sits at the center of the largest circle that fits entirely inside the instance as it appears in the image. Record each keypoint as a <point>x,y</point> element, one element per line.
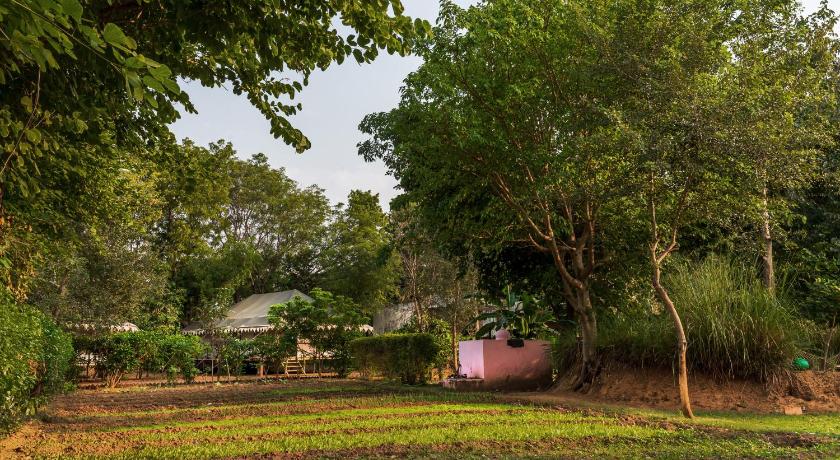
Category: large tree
<point>81,81</point>
<point>513,114</point>
<point>708,122</point>
<point>359,262</point>
<point>286,225</point>
<point>782,91</point>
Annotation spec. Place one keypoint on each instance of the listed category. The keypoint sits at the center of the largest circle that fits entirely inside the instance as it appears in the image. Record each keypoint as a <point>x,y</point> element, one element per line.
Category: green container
<point>801,364</point>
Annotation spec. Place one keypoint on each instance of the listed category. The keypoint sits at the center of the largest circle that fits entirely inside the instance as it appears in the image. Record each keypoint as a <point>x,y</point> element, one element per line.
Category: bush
<point>329,323</point>
<point>179,354</point>
<point>442,333</point>
<point>404,357</point>
<point>734,326</point>
<point>118,358</point>
<point>172,354</point>
<point>233,352</point>
<point>56,367</point>
<point>274,347</point>
<point>35,356</point>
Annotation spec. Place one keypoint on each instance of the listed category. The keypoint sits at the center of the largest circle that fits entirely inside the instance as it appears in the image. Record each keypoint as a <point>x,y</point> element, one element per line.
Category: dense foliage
<point>35,361</point>
<point>407,358</point>
<point>329,323</point>
<point>595,137</point>
<point>442,333</point>
<point>735,327</point>
<point>171,354</point>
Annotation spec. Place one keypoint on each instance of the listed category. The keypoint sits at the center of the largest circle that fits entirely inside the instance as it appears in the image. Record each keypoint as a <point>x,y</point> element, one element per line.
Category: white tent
<point>251,314</point>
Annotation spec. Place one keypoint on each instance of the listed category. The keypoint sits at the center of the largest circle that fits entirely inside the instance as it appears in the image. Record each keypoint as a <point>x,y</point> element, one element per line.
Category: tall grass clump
<point>735,327</point>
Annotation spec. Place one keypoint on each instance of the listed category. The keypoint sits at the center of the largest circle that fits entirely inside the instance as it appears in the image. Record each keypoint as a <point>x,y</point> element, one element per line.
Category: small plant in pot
<point>519,316</point>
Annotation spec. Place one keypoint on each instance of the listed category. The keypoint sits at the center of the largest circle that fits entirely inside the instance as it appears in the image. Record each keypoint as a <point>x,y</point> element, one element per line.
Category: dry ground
<point>356,419</point>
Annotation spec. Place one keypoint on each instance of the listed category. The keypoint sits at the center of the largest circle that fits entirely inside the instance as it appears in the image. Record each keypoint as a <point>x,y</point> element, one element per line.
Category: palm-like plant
<point>524,316</point>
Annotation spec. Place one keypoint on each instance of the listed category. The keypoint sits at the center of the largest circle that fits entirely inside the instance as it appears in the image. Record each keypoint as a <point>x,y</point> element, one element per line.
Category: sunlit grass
<point>352,419</point>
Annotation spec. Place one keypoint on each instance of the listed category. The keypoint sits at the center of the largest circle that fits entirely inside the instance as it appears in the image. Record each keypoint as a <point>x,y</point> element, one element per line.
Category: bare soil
<point>813,392</point>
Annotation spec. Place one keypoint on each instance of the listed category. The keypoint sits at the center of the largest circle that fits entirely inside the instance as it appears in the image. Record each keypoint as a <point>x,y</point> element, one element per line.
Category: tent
<point>251,314</point>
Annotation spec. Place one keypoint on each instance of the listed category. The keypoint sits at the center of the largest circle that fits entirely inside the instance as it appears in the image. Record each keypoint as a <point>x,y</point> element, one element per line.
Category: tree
<point>782,88</point>
<point>442,291</point>
<point>359,263</point>
<point>84,81</point>
<point>812,251</point>
<point>193,185</point>
<point>700,152</point>
<point>514,102</point>
<point>329,323</point>
<point>286,225</point>
<point>103,268</point>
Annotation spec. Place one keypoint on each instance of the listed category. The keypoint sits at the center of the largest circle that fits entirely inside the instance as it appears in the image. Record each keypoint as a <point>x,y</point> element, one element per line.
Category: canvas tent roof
<point>251,314</point>
<point>124,327</point>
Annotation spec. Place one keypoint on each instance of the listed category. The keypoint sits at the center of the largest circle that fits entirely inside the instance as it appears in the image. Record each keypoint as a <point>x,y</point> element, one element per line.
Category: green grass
<point>333,421</point>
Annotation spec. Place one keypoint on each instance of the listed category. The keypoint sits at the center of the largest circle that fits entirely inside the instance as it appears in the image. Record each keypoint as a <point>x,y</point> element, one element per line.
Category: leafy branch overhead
<point>84,81</point>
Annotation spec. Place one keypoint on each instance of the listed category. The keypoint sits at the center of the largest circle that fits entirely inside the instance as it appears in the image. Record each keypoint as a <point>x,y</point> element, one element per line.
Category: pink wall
<point>504,367</point>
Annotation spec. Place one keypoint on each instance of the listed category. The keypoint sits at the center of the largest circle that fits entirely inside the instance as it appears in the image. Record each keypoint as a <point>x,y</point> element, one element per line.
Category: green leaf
<point>33,135</point>
<point>73,9</point>
<point>114,35</point>
<point>154,84</point>
<point>171,86</point>
<point>484,330</point>
<point>161,72</point>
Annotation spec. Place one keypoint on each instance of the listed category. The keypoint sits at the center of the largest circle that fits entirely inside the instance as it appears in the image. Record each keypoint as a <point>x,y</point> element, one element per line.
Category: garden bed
<point>353,419</point>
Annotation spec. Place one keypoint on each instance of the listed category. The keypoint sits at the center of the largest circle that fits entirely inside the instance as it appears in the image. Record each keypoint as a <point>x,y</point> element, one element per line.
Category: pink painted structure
<point>502,367</point>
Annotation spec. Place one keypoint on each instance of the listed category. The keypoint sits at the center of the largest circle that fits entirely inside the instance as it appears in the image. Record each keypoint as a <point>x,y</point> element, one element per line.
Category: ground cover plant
<point>340,418</point>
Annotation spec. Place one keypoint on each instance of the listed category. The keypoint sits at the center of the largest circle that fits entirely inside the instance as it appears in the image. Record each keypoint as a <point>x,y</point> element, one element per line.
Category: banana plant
<point>524,316</point>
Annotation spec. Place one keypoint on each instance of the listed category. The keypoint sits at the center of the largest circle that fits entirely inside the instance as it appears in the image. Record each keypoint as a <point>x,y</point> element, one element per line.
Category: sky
<point>334,103</point>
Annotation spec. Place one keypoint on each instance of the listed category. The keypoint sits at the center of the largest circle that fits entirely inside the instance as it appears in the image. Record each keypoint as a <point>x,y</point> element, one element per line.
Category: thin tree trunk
<point>769,275</point>
<point>682,342</point>
<point>455,346</point>
<point>590,365</point>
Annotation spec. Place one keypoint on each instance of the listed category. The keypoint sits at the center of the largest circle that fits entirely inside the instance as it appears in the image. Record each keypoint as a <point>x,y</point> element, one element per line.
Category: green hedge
<point>404,357</point>
<point>147,351</point>
<point>35,358</point>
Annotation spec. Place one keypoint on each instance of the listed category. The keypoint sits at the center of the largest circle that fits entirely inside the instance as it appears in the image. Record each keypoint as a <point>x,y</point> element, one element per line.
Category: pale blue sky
<point>333,105</point>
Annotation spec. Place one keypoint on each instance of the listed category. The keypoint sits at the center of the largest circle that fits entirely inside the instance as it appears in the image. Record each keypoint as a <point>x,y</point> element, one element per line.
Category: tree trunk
<point>455,347</point>
<point>682,343</point>
<point>590,365</point>
<point>769,275</point>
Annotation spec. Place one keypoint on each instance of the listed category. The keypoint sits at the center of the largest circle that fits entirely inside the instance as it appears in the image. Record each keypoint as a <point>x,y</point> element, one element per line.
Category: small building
<point>392,317</point>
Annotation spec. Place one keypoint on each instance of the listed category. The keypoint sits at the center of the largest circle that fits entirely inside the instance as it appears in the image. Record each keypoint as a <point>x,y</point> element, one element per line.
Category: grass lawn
<point>345,419</point>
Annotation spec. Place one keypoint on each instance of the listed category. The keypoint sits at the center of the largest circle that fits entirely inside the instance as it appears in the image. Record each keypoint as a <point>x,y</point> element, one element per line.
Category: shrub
<point>118,358</point>
<point>179,354</point>
<point>734,326</point>
<point>35,356</point>
<point>274,347</point>
<point>172,354</point>
<point>404,357</point>
<point>442,333</point>
<point>233,352</point>
<point>56,364</point>
<point>329,323</point>
<point>147,350</point>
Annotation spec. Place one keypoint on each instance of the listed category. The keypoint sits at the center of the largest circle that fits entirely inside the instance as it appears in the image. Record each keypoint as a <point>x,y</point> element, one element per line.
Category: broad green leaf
<point>73,9</point>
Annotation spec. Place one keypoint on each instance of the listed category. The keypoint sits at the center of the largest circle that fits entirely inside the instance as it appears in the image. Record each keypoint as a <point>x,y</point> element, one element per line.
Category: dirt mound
<point>814,392</point>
